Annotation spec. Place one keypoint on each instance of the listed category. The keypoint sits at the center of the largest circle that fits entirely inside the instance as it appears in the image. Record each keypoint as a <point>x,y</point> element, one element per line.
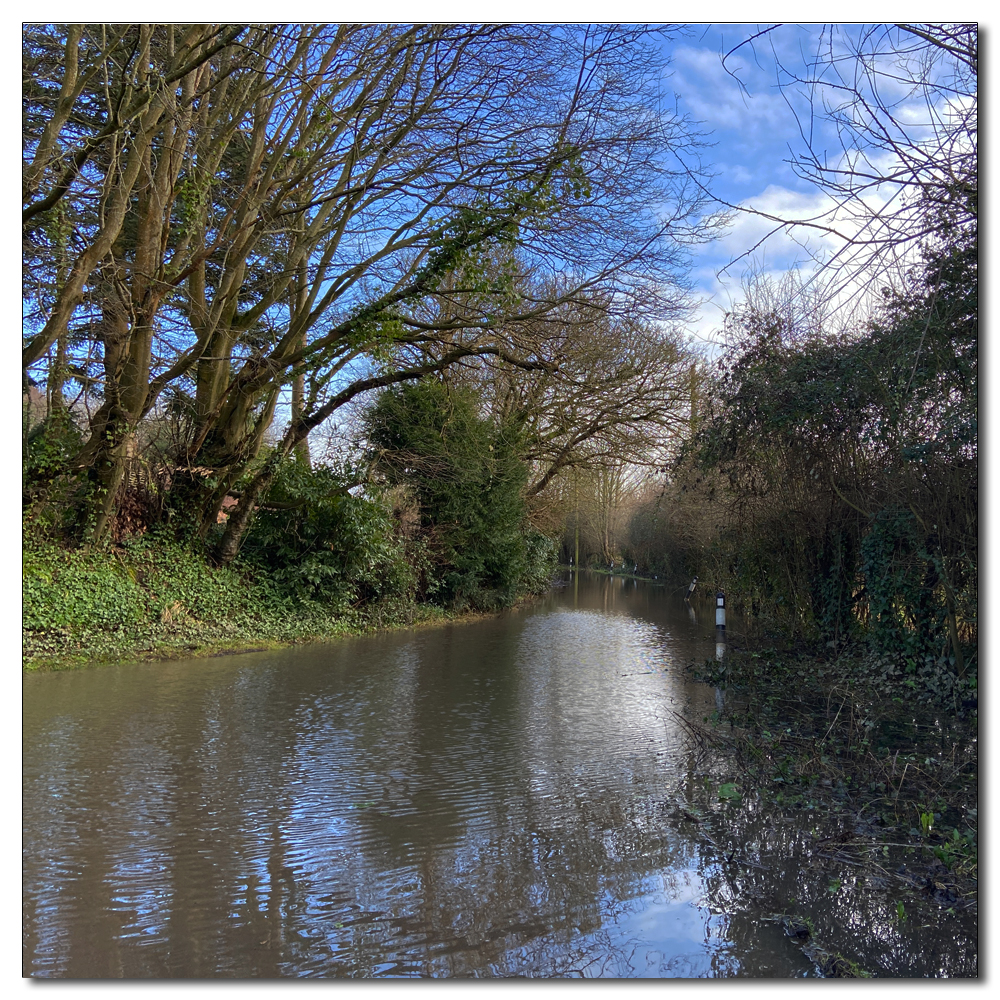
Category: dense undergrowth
<point>151,597</point>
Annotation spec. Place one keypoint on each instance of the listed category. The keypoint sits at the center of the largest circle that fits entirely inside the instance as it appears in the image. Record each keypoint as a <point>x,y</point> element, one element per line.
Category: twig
<point>837,716</point>
<point>900,785</point>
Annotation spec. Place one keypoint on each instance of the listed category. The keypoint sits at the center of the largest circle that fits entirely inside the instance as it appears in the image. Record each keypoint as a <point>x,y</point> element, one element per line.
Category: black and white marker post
<point>720,625</point>
<point>694,583</point>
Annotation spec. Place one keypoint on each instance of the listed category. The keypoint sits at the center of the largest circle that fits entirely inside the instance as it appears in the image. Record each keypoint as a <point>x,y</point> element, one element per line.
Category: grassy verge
<point>156,600</point>
<point>890,750</point>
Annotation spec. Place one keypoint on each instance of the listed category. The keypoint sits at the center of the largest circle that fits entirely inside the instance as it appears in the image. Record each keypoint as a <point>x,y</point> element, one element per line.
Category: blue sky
<point>754,129</point>
<point>751,128</point>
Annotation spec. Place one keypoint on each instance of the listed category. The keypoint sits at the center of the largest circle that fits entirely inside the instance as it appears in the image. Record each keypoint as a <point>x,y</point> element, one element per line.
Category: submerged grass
<point>839,735</point>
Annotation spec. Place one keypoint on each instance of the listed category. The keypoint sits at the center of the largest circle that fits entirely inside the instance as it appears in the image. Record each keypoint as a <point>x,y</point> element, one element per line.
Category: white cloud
<point>758,248</point>
<point>754,130</point>
<point>752,233</point>
<point>715,98</point>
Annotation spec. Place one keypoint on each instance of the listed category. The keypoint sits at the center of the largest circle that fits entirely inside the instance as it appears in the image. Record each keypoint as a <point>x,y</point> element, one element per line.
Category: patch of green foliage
<point>317,542</point>
<point>74,590</point>
<point>47,448</point>
<point>466,477</point>
<point>153,596</point>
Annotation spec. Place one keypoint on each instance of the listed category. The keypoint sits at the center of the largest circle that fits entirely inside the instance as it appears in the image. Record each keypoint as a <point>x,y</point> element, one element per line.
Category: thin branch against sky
<point>874,113</point>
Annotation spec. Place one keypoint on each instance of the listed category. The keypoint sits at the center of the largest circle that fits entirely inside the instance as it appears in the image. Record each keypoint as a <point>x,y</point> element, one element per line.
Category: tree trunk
<point>299,382</point>
<point>242,514</point>
<point>230,449</point>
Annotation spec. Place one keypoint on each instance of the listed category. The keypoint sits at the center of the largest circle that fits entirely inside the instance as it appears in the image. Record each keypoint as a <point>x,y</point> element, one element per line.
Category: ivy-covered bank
<point>158,600</point>
<point>143,600</point>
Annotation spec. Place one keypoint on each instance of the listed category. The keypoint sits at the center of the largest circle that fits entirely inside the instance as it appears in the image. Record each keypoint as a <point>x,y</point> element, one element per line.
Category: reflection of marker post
<point>694,583</point>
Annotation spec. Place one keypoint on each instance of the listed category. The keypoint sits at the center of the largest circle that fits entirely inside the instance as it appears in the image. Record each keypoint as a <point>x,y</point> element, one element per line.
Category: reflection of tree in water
<point>131,845</point>
<point>530,883</point>
<point>438,879</point>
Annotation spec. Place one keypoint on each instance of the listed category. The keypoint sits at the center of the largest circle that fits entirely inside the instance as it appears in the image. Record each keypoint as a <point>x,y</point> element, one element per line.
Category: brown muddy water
<point>508,797</point>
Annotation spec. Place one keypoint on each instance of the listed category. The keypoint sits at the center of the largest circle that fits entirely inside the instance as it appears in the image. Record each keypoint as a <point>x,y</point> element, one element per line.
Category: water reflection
<point>494,799</point>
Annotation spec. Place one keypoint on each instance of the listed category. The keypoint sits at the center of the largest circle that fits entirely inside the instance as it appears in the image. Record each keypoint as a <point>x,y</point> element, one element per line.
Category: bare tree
<point>888,120</point>
<point>616,386</point>
<point>336,208</point>
<point>109,112</point>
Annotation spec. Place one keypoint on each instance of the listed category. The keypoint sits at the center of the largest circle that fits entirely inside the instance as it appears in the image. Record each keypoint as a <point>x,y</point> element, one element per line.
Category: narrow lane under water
<point>507,797</point>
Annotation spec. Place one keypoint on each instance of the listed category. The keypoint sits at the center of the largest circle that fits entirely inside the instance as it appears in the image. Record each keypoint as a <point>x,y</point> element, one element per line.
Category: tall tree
<point>621,386</point>
<point>333,207</point>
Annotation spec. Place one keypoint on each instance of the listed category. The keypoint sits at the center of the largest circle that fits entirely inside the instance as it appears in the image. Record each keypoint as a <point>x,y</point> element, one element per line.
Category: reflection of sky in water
<point>495,799</point>
<point>594,686</point>
<point>655,935</point>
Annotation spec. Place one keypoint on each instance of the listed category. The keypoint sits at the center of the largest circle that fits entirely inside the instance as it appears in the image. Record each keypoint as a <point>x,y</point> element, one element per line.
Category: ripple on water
<point>482,800</point>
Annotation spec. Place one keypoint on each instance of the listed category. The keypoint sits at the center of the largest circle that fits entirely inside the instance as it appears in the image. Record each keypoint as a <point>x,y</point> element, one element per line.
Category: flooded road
<point>507,797</point>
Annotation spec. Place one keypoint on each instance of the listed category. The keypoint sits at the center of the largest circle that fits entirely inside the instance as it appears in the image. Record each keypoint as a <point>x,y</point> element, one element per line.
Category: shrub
<point>48,447</point>
<point>319,542</point>
<point>465,474</point>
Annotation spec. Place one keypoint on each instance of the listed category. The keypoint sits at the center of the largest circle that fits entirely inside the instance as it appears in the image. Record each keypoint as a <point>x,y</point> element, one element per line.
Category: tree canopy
<point>214,213</point>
